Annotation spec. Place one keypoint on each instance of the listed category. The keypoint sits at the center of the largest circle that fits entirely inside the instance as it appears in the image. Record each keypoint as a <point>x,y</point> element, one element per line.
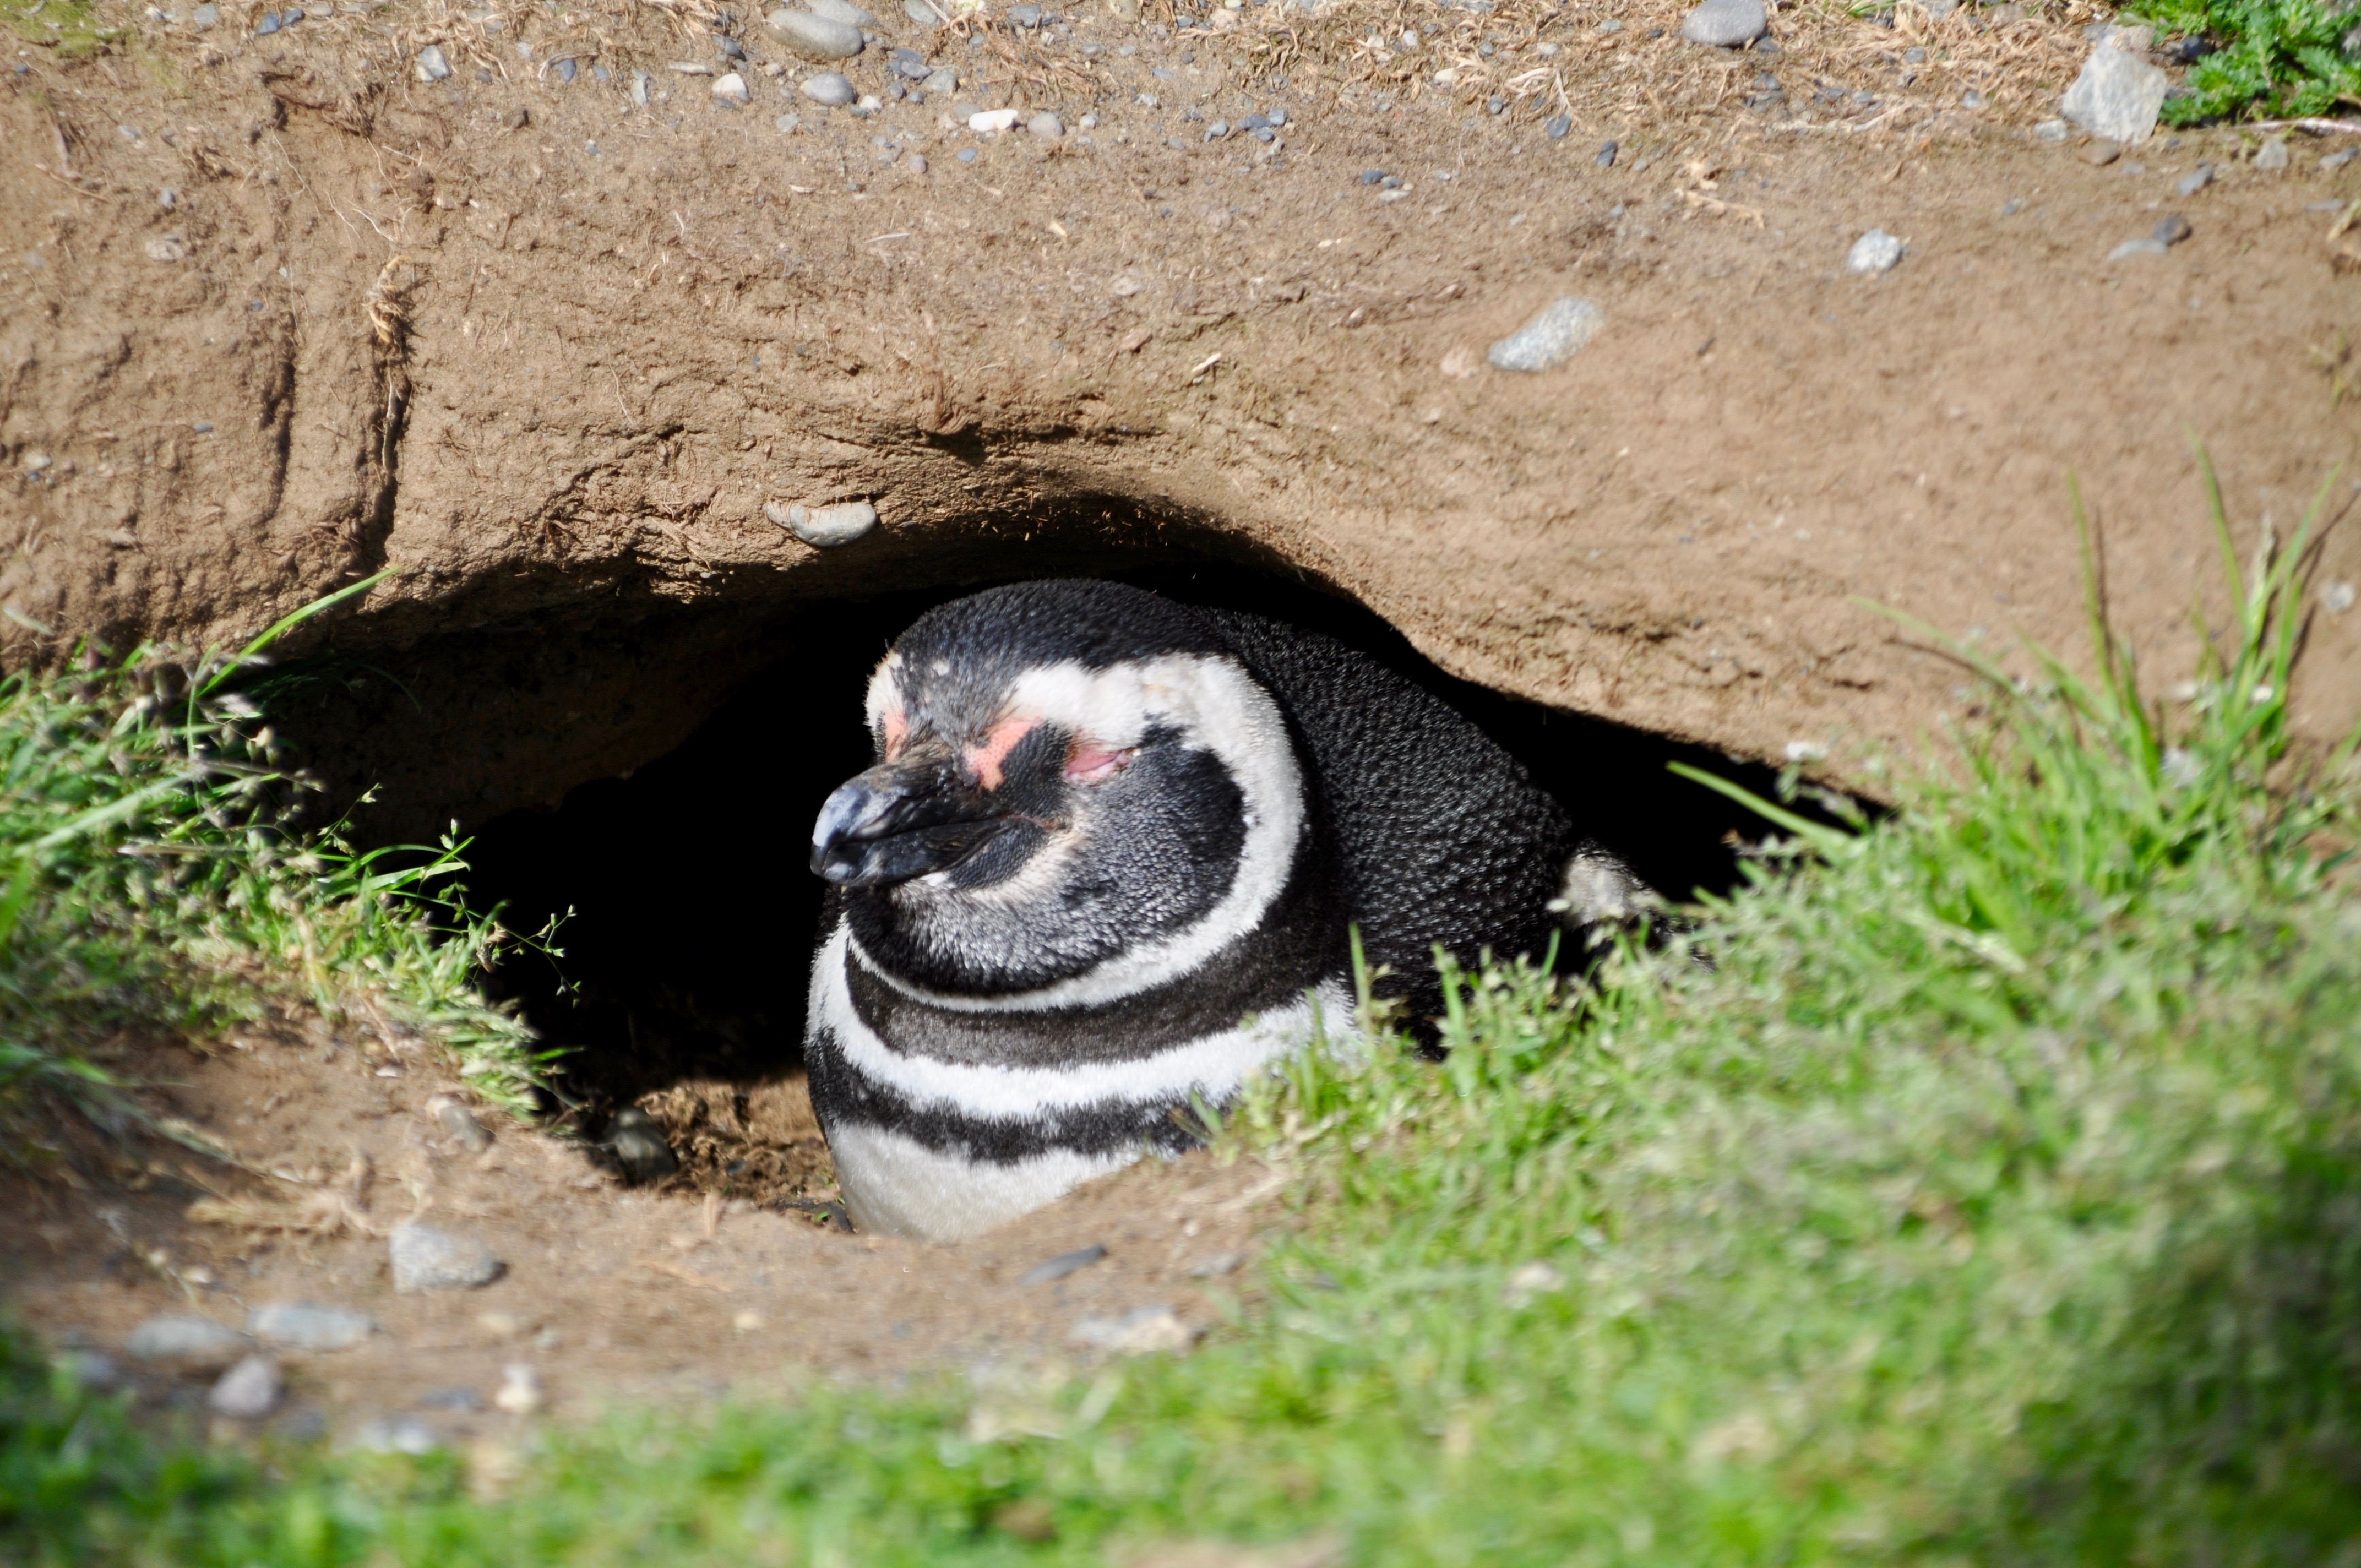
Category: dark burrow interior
<point>686,911</point>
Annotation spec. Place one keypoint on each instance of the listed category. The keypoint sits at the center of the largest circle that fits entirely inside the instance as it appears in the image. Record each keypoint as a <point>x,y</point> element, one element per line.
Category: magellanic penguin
<point>1106,862</point>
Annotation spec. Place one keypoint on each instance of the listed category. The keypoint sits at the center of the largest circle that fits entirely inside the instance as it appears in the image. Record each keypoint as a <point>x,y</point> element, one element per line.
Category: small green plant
<point>2273,59</point>
<point>71,27</point>
<point>148,881</point>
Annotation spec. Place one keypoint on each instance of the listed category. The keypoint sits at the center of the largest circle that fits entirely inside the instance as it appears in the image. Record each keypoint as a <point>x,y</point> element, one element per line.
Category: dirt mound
<point>279,312</point>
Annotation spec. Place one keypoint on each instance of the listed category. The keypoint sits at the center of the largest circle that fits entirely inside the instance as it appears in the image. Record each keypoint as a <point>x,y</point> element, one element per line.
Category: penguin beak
<point>898,821</point>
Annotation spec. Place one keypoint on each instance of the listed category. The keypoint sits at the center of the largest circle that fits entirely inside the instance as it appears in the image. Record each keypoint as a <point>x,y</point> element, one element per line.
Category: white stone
<point>1137,1332</point>
<point>1551,339</point>
<point>2117,96</point>
<point>521,1393</point>
<point>2272,155</point>
<point>825,527</point>
<point>187,1340</point>
<point>841,11</point>
<point>248,1391</point>
<point>427,1260</point>
<point>1875,251</point>
<point>1046,125</point>
<point>2052,133</point>
<point>731,88</point>
<point>812,36</point>
<point>300,1325</point>
<point>830,87</point>
<point>1726,24</point>
<point>991,122</point>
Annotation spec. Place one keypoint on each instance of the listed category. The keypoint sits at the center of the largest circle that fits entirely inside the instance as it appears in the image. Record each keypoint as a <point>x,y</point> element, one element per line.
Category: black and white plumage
<point>1106,862</point>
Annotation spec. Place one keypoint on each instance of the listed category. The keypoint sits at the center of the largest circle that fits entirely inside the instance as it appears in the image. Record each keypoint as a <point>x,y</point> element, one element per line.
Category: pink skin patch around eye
<point>897,730</point>
<point>987,757</point>
<point>1090,763</point>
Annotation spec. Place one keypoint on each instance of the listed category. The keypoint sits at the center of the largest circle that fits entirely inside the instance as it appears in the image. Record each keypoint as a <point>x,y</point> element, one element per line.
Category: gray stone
<point>248,1391</point>
<point>2272,155</point>
<point>455,1398</point>
<point>425,1258</point>
<point>830,87</point>
<point>431,65</point>
<point>2116,96</point>
<point>1027,17</point>
<point>842,11</point>
<point>731,88</point>
<point>88,1369</point>
<point>639,89</point>
<point>909,64</point>
<point>459,1124</point>
<point>2336,160</point>
<point>2137,247</point>
<point>1218,1266</point>
<point>1139,1331</point>
<point>1876,251</point>
<point>788,125</point>
<point>637,1141</point>
<point>1046,125</point>
<point>1051,1269</point>
<point>1606,151</point>
<point>921,13</point>
<point>1726,24</point>
<point>185,1340</point>
<point>825,527</point>
<point>206,17</point>
<point>812,36</point>
<point>942,79</point>
<point>2196,180</point>
<point>2171,228</point>
<point>1551,339</point>
<point>302,1325</point>
<point>396,1434</point>
<point>916,163</point>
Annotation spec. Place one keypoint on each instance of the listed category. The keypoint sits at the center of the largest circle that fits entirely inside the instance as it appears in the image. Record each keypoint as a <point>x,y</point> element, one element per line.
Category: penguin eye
<point>1090,762</point>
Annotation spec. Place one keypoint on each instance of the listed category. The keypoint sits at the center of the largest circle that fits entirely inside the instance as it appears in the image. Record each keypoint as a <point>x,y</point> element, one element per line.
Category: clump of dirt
<point>760,1139</point>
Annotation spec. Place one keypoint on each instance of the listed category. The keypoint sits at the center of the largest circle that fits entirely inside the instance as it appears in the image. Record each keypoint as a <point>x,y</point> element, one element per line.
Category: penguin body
<point>1105,868</point>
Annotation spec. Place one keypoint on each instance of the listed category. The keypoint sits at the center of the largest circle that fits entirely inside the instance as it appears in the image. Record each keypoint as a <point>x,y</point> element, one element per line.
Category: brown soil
<point>385,323</point>
<point>609,1293</point>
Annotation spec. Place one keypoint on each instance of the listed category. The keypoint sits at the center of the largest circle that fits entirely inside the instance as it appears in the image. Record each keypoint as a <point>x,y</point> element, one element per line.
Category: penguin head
<point>1077,787</point>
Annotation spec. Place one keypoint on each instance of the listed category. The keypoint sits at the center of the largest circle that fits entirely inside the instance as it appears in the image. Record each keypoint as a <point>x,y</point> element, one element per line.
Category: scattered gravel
<point>2116,96</point>
<point>1551,339</point>
<point>1139,1331</point>
<point>431,65</point>
<point>813,36</point>
<point>185,1340</point>
<point>248,1391</point>
<point>1051,1269</point>
<point>830,87</point>
<point>1726,24</point>
<point>1876,251</point>
<point>301,1325</point>
<point>824,527</point>
<point>425,1258</point>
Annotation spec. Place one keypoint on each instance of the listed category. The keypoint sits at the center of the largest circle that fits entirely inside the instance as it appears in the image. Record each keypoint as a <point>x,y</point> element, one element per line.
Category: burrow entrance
<point>688,911</point>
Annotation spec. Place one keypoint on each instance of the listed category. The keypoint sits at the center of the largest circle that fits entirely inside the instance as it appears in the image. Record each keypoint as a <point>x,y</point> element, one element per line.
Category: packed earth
<point>1622,355</point>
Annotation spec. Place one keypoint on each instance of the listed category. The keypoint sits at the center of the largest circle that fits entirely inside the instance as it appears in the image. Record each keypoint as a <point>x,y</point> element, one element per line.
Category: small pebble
<point>2171,228</point>
<point>185,1338</point>
<point>1371,176</point>
<point>788,125</point>
<point>1027,17</point>
<point>206,17</point>
<point>844,11</point>
<point>992,122</point>
<point>2131,248</point>
<point>1390,182</point>
<point>916,163</point>
<point>1551,339</point>
<point>1218,130</point>
<point>432,66</point>
<point>2338,598</point>
<point>825,527</point>
<point>637,1141</point>
<point>2196,180</point>
<point>300,1325</point>
<point>1046,126</point>
<point>425,1258</point>
<point>942,79</point>
<point>1876,251</point>
<point>2100,154</point>
<point>1726,24</point>
<point>2052,133</point>
<point>1215,1266</point>
<point>1607,152</point>
<point>455,1398</point>
<point>830,87</point>
<point>396,1434</point>
<point>965,155</point>
<point>267,25</point>
<point>1051,1269</point>
<point>921,13</point>
<point>1140,1332</point>
<point>521,1392</point>
<point>459,1124</point>
<point>813,36</point>
<point>563,70</point>
<point>2272,154</point>
<point>2336,160</point>
<point>1557,127</point>
<point>202,426</point>
<point>248,1391</point>
<point>732,89</point>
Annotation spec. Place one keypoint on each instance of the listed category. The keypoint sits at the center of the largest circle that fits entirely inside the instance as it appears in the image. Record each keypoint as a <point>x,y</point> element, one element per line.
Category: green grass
<point>2275,59</point>
<point>150,887</point>
<point>1982,1185</point>
<point>72,28</point>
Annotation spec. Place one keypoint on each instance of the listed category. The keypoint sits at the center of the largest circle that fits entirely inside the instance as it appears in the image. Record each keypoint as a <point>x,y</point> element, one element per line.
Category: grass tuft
<point>2272,59</point>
